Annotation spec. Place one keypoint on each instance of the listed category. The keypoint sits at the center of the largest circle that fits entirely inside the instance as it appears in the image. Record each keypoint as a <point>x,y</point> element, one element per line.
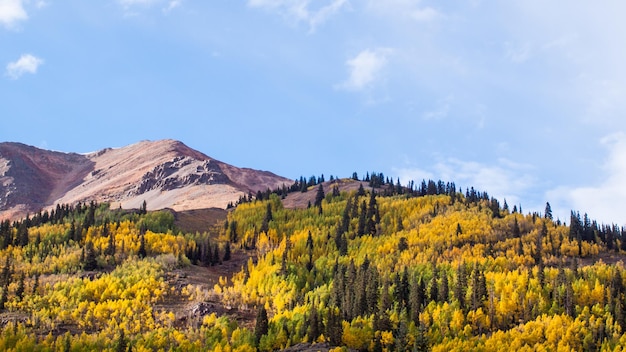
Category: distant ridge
<point>164,173</point>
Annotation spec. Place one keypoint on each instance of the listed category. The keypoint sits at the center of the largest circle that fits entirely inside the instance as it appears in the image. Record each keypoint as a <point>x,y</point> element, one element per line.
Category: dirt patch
<point>199,220</point>
<point>190,313</point>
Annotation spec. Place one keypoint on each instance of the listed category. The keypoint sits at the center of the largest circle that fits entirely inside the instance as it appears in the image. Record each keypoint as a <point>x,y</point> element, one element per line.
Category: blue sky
<point>523,99</point>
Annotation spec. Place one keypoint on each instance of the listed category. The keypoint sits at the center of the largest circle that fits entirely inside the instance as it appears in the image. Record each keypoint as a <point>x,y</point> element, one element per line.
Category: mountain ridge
<point>164,173</point>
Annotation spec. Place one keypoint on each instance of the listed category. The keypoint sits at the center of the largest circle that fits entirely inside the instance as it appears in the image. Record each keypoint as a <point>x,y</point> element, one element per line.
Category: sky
<point>523,99</point>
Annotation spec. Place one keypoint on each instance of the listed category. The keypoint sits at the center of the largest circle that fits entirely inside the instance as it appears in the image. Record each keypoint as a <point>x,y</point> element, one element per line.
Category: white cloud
<point>605,201</point>
<point>27,63</point>
<point>504,180</point>
<point>11,12</point>
<point>172,5</point>
<point>129,3</point>
<point>365,68</point>
<point>301,11</point>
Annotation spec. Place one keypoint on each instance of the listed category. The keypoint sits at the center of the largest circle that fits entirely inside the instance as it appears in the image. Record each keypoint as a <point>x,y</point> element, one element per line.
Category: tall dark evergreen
<point>142,253</point>
<point>261,327</point>
<point>548,212</point>
<point>265,225</point>
<point>460,286</point>
<point>319,196</point>
<point>444,288</point>
<point>362,220</point>
<point>90,262</point>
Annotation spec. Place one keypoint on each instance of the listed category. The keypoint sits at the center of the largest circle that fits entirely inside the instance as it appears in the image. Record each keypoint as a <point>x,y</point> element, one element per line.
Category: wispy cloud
<point>518,53</point>
<point>441,111</point>
<point>12,12</point>
<point>411,9</point>
<point>365,68</point>
<point>27,63</point>
<point>301,11</point>
<point>129,3</point>
<point>172,5</point>
<point>605,201</point>
<point>167,6</point>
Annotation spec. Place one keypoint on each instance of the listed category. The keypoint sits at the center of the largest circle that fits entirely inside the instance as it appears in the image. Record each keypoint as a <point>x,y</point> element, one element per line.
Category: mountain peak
<point>164,173</point>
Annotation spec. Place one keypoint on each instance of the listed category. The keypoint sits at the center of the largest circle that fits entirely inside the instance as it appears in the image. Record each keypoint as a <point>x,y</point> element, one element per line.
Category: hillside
<point>165,174</point>
<point>367,265</point>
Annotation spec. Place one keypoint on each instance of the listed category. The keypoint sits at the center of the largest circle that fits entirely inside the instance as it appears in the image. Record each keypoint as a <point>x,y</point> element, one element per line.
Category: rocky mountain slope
<point>165,174</point>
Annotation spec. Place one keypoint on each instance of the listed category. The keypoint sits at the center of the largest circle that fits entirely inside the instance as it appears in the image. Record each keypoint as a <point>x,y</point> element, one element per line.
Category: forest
<point>367,265</point>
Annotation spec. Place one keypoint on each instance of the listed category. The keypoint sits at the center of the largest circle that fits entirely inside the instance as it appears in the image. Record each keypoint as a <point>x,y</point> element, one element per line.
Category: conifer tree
<point>19,291</point>
<point>227,252</point>
<point>444,289</point>
<point>319,196</point>
<point>362,220</point>
<point>90,262</point>
<point>142,253</point>
<point>261,326</point>
<point>460,286</point>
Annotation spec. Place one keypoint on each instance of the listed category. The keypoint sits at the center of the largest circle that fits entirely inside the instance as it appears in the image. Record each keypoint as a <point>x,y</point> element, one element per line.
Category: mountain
<point>165,174</point>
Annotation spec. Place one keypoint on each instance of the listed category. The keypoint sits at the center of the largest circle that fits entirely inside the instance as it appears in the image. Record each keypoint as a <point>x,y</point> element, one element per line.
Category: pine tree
<point>548,212</point>
<point>334,328</point>
<point>90,262</point>
<point>227,252</point>
<point>261,326</point>
<point>444,289</point>
<point>314,331</point>
<point>460,286</point>
<point>319,196</point>
<point>142,253</point>
<point>19,291</point>
<point>121,340</point>
<point>232,231</point>
<point>265,225</point>
<point>361,191</point>
<point>362,220</point>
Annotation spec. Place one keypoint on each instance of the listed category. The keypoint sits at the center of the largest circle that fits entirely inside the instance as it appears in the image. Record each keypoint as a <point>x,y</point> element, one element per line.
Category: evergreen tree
<point>460,286</point>
<point>336,192</point>
<point>314,331</point>
<point>361,191</point>
<point>266,220</point>
<point>19,291</point>
<point>142,253</point>
<point>444,289</point>
<point>416,299</point>
<point>90,262</point>
<point>421,340</point>
<point>216,255</point>
<point>121,341</point>
<point>227,252</point>
<point>232,231</point>
<point>261,326</point>
<point>548,212</point>
<point>334,328</point>
<point>319,196</point>
<point>362,220</point>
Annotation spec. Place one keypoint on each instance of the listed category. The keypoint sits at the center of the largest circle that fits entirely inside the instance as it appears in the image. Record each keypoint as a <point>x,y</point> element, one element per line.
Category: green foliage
<point>427,269</point>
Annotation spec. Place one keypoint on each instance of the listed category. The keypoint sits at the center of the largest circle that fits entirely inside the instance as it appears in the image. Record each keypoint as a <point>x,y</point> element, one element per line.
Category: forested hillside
<point>368,265</point>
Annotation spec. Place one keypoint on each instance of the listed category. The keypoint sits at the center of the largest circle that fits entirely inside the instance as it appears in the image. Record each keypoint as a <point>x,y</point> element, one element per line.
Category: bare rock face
<point>165,174</point>
<point>181,172</point>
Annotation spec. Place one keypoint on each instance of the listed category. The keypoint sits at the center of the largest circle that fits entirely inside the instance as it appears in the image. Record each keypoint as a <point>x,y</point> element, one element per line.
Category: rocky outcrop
<point>165,174</point>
